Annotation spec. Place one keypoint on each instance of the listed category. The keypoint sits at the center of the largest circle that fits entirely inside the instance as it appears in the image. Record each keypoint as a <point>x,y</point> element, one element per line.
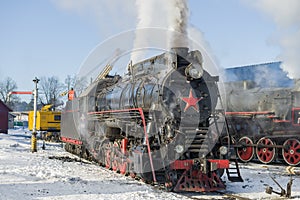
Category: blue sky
<point>43,38</point>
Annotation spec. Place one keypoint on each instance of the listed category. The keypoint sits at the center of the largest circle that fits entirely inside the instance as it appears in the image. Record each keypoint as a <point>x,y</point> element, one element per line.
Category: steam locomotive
<point>158,122</point>
<point>264,122</point>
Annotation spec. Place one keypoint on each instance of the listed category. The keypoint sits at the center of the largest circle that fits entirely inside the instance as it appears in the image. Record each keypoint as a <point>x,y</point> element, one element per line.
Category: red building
<point>4,112</point>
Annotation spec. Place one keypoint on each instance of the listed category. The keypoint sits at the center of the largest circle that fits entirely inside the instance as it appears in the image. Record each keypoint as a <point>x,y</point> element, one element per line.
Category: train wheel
<point>114,162</point>
<point>291,152</point>
<point>131,169</point>
<point>123,166</point>
<point>245,153</point>
<point>263,153</point>
<point>108,154</point>
<point>115,157</point>
<point>171,180</point>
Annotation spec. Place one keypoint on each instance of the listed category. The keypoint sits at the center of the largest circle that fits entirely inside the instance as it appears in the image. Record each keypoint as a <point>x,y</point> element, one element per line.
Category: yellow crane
<point>47,122</point>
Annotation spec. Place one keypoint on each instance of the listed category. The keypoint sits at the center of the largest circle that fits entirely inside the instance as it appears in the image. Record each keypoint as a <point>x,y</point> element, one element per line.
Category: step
<point>233,173</point>
<point>235,179</point>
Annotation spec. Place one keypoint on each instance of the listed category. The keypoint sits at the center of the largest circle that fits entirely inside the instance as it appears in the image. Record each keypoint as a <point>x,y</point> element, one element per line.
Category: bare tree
<point>78,83</point>
<point>51,89</point>
<point>70,82</point>
<point>6,86</point>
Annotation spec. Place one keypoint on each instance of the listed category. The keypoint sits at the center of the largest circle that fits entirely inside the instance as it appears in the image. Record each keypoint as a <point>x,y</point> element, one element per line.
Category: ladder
<point>233,172</point>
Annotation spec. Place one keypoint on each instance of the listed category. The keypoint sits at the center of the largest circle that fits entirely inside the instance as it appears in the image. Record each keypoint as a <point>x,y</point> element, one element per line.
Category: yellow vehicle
<point>47,122</point>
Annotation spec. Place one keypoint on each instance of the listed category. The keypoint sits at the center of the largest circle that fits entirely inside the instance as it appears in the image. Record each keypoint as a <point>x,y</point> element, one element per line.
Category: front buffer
<point>196,175</point>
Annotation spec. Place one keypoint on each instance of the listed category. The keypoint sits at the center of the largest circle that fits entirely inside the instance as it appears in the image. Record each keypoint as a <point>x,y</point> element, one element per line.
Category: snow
<point>26,175</point>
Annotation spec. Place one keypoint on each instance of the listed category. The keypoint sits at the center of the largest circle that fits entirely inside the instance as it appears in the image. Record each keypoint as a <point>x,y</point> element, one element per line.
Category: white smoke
<point>169,18</point>
<point>148,14</point>
<point>285,14</point>
<point>171,15</point>
<point>178,16</point>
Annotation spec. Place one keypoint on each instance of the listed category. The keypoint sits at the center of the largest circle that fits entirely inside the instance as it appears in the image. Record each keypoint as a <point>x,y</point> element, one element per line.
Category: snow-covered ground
<point>26,175</point>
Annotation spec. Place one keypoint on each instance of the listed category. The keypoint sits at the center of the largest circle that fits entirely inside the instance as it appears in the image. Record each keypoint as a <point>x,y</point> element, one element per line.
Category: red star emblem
<point>191,101</point>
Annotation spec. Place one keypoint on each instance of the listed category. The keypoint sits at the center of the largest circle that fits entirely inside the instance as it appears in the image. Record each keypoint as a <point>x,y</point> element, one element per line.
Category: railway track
<point>254,175</point>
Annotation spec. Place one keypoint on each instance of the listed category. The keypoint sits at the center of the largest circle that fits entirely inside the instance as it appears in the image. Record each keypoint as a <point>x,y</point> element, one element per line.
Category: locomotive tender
<point>265,123</point>
<point>158,122</point>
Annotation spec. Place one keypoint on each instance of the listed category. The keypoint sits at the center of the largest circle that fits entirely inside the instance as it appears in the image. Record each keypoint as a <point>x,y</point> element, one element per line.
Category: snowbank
<point>26,175</point>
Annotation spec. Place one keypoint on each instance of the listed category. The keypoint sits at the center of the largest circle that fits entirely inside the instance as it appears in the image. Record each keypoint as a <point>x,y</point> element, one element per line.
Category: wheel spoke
<point>297,147</point>
<point>295,144</point>
<point>291,152</point>
<point>245,153</point>
<point>265,154</point>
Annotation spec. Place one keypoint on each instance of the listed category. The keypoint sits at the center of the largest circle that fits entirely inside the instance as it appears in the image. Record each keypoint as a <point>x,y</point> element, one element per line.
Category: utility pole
<point>33,136</point>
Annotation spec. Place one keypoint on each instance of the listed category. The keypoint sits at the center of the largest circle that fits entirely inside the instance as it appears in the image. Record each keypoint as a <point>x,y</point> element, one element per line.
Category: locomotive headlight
<point>194,71</point>
<point>179,148</point>
<point>223,150</point>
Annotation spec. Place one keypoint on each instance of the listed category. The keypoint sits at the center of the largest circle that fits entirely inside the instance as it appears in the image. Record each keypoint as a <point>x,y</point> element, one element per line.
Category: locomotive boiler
<point>265,123</point>
<point>158,122</point>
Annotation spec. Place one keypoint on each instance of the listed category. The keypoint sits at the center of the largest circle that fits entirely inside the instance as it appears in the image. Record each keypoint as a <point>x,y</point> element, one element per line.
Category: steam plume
<point>178,14</point>
<point>285,13</point>
<point>172,15</point>
<point>145,19</point>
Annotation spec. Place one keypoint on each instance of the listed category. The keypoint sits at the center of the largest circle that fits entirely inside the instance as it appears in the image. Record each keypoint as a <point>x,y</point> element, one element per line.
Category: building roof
<point>5,106</point>
<point>264,75</point>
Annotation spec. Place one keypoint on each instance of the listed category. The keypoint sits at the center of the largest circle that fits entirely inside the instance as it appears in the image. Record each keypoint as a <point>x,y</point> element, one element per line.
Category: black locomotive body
<point>265,123</point>
<point>154,123</point>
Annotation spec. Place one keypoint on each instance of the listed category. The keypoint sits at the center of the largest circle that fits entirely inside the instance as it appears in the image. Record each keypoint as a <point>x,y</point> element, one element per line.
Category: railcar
<point>265,124</point>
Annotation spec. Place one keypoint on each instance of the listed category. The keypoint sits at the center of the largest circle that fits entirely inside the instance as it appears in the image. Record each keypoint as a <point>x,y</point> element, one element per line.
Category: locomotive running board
<point>233,173</point>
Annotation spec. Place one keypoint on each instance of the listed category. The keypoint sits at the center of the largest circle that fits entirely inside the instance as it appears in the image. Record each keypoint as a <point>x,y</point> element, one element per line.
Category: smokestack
<point>181,51</point>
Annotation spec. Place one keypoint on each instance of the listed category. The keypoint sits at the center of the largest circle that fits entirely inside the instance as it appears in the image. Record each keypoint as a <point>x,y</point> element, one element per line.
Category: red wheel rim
<point>291,152</point>
<point>132,174</point>
<point>108,156</point>
<point>114,162</point>
<point>107,159</point>
<point>115,157</point>
<point>263,153</point>
<point>245,153</point>
<point>123,166</point>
